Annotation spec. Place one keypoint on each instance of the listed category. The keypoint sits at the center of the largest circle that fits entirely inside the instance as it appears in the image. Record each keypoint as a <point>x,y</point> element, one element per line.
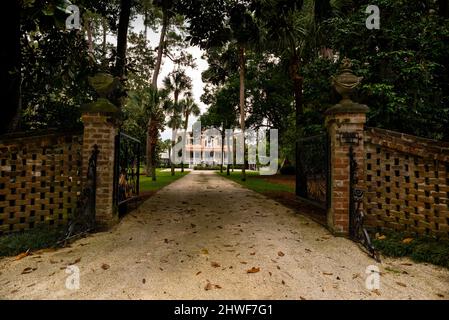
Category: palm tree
<point>245,33</point>
<point>175,121</point>
<point>188,107</point>
<point>290,31</point>
<point>177,82</point>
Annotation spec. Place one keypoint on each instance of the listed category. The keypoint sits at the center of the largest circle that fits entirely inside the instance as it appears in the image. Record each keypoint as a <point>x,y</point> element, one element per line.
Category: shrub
<point>38,238</point>
<point>288,170</point>
<point>420,249</point>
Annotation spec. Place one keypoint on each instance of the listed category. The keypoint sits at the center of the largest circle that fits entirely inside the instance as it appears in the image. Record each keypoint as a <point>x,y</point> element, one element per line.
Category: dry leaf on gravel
<point>28,270</point>
<point>22,255</point>
<point>198,273</point>
<point>327,273</point>
<point>215,264</point>
<point>281,254</point>
<point>401,284</point>
<point>75,262</point>
<point>105,266</point>
<point>253,270</point>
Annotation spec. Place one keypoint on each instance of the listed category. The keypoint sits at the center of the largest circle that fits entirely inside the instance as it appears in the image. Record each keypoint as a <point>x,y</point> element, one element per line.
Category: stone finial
<point>346,81</point>
<point>106,87</point>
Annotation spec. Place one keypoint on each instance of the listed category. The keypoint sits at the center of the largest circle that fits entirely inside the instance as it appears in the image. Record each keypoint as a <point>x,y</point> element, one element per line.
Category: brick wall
<point>407,182</point>
<point>40,178</point>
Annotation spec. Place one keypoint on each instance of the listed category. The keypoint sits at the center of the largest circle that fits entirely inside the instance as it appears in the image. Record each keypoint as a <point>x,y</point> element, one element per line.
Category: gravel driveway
<point>205,237</point>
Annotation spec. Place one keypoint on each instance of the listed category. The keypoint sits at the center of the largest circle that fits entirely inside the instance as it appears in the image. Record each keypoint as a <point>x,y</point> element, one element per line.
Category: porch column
<point>345,124</point>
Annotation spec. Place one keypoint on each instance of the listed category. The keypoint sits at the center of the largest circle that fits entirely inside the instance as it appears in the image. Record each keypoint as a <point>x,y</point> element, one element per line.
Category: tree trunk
<point>153,134</point>
<point>301,178</point>
<point>443,8</point>
<point>173,142</point>
<point>105,34</point>
<point>90,41</point>
<point>148,154</point>
<point>122,37</point>
<point>11,79</point>
<point>160,49</point>
<point>242,102</point>
<point>223,137</point>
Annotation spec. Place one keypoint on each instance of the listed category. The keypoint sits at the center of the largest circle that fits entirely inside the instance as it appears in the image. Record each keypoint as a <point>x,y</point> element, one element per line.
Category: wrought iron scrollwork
<point>127,170</point>
<point>83,220</point>
<point>314,159</point>
<point>357,215</point>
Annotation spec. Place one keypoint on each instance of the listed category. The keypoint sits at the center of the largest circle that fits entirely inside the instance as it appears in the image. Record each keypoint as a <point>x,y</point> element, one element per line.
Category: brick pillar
<point>100,130</point>
<point>345,124</point>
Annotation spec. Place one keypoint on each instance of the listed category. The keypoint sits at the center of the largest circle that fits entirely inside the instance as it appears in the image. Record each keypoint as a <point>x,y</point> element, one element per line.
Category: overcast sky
<point>167,67</point>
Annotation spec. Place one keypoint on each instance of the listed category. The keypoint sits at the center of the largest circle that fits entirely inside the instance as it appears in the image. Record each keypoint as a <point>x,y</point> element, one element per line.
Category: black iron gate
<point>357,214</point>
<point>127,171</point>
<point>314,154</point>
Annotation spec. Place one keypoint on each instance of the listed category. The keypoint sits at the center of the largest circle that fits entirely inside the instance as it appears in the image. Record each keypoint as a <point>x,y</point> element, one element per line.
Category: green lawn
<point>164,178</point>
<point>257,183</point>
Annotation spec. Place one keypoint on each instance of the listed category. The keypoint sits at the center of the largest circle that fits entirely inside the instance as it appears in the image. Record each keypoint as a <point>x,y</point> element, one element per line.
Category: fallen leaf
<point>208,286</point>
<point>401,284</point>
<point>253,270</point>
<point>407,240</point>
<point>75,262</point>
<point>327,273</point>
<point>217,286</point>
<point>308,250</point>
<point>22,255</point>
<point>252,254</point>
<point>281,254</point>
<point>105,266</point>
<point>215,264</point>
<point>440,295</point>
<point>376,291</point>
<point>243,262</point>
<point>198,273</point>
<point>28,270</point>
